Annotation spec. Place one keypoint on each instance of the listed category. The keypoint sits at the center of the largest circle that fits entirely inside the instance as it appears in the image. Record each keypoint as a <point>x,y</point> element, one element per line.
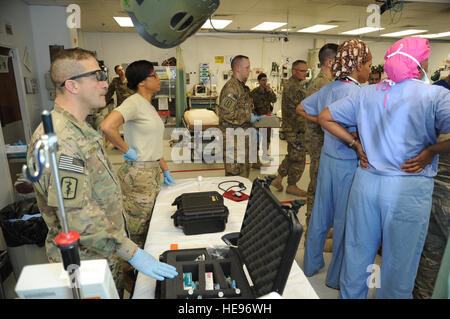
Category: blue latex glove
<point>19,143</point>
<point>254,118</point>
<point>168,179</point>
<point>150,266</point>
<point>130,155</point>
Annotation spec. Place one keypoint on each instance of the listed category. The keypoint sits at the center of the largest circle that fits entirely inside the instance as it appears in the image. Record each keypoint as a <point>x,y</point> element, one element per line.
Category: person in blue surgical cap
<point>338,161</point>
<point>398,121</point>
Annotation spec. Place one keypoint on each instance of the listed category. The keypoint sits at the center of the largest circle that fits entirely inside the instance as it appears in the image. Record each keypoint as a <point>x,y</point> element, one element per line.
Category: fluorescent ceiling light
<point>318,28</point>
<point>403,33</point>
<point>362,30</point>
<point>218,24</point>
<point>268,26</point>
<point>124,21</point>
<point>284,30</point>
<point>435,35</point>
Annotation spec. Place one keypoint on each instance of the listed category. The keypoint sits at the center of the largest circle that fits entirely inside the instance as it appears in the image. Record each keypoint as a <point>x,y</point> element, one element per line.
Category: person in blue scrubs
<point>398,123</point>
<point>338,161</point>
<point>444,82</point>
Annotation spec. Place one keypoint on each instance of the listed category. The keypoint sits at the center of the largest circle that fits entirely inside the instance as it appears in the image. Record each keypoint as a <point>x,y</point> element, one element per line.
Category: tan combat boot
<point>277,183</point>
<point>294,190</point>
<point>329,242</point>
<point>256,165</point>
<point>328,248</point>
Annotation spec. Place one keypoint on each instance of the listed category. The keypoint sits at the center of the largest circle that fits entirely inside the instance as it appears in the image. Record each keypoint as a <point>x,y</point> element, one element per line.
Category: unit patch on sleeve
<point>69,187</point>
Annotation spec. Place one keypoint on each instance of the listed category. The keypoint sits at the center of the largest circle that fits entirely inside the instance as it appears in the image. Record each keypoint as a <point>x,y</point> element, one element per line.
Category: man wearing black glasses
<point>293,126</point>
<point>91,192</point>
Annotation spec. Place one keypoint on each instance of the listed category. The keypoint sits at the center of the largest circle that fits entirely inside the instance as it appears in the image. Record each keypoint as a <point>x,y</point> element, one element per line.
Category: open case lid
<point>269,238</point>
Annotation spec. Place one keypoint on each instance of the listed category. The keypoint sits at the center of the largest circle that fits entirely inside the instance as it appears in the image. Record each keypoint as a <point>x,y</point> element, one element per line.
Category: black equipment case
<point>200,213</point>
<point>266,245</point>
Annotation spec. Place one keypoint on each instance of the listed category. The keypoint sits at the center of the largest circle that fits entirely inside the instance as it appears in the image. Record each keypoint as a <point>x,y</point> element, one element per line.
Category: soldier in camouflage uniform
<point>438,230</point>
<point>91,193</point>
<point>263,98</point>
<point>314,133</point>
<point>119,86</point>
<point>142,145</point>
<point>235,111</point>
<point>293,126</point>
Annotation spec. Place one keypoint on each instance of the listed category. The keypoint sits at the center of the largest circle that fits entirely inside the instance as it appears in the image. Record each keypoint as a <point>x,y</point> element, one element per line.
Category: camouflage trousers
<point>237,160</point>
<point>435,242</point>
<point>313,145</point>
<point>139,186</point>
<point>293,163</point>
<point>265,148</point>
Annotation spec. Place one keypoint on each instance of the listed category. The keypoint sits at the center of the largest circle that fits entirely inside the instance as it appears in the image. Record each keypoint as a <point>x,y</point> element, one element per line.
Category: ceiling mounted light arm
<point>168,25</point>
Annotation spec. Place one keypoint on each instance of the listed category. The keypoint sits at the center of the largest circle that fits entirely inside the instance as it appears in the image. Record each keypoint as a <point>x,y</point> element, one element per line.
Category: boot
<point>256,165</point>
<point>328,246</point>
<point>330,233</point>
<point>294,190</point>
<point>277,183</point>
<point>329,242</point>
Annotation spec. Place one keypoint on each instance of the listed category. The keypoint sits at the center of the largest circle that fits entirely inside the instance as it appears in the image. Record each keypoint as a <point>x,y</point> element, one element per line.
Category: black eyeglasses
<point>100,75</point>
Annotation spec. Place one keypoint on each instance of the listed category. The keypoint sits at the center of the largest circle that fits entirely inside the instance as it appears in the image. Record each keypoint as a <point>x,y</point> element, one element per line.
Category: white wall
<point>16,13</point>
<point>118,48</point>
<point>49,28</point>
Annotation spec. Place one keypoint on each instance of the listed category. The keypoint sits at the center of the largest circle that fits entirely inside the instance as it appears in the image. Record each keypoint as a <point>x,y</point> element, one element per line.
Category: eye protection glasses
<point>100,75</point>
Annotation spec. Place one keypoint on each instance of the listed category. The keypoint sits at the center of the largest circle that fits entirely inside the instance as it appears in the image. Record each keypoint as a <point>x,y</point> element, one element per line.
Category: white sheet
<point>162,233</point>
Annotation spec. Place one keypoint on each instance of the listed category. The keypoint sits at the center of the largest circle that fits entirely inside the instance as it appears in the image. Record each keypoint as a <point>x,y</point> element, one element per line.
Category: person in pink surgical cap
<point>398,121</point>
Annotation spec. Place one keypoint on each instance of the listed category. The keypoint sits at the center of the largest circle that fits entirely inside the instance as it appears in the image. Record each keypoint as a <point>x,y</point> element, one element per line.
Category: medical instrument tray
<point>259,264</point>
<point>201,212</point>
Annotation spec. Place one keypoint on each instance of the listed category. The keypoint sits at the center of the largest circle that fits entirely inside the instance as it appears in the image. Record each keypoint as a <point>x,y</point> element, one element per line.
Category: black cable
<point>239,184</point>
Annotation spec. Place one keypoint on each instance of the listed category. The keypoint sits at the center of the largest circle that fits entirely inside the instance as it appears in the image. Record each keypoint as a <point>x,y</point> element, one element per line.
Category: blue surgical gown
<point>386,205</point>
<point>337,167</point>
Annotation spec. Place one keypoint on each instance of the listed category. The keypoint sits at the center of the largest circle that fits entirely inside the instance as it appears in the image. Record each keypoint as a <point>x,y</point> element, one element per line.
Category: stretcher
<point>208,118</point>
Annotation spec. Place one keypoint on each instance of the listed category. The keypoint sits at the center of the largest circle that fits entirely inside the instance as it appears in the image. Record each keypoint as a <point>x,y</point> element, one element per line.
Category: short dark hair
<point>297,62</point>
<point>115,68</point>
<point>328,51</point>
<point>236,60</point>
<point>65,64</point>
<point>137,72</point>
<point>262,75</point>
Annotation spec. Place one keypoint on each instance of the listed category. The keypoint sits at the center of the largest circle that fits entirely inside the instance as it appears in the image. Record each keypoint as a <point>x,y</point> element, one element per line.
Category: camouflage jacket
<point>443,173</point>
<point>235,105</point>
<point>121,89</point>
<point>322,79</point>
<point>91,192</point>
<point>319,81</point>
<point>293,93</point>
<point>262,100</point>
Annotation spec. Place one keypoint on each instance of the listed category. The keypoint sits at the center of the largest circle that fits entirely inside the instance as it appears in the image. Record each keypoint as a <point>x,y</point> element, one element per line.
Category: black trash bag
<point>23,232</point>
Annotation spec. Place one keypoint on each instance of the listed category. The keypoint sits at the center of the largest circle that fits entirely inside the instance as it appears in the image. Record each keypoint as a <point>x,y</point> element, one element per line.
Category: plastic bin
<point>24,231</point>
